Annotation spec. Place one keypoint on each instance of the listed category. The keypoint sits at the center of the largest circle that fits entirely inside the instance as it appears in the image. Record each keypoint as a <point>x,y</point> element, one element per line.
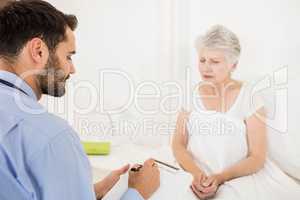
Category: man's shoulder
<point>35,130</point>
<point>42,125</point>
<point>30,114</point>
<point>45,124</point>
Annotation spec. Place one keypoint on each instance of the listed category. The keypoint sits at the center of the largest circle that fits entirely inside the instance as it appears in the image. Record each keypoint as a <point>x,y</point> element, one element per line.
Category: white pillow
<point>284,128</point>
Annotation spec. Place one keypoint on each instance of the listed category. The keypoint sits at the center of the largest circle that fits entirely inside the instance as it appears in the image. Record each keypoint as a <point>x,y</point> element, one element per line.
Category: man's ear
<point>39,52</point>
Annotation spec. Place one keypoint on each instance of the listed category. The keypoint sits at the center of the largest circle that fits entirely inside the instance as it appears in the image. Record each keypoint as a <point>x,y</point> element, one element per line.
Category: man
<point>40,154</point>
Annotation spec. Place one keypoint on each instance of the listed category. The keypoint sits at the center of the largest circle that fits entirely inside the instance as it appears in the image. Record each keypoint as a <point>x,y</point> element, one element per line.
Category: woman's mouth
<point>207,76</point>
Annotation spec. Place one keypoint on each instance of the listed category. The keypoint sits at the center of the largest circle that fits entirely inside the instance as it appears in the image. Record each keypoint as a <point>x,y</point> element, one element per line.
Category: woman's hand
<point>212,182</point>
<point>198,179</point>
<point>205,187</point>
<point>198,188</point>
<point>102,187</point>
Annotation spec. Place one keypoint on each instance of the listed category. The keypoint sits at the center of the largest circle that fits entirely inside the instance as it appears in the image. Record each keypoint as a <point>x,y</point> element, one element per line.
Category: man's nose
<point>72,69</point>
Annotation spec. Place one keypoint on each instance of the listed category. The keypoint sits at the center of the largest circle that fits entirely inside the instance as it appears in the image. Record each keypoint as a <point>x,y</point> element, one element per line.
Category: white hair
<point>219,37</point>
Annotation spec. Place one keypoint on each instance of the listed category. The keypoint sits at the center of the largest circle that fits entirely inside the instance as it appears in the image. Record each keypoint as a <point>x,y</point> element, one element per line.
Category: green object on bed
<point>96,148</point>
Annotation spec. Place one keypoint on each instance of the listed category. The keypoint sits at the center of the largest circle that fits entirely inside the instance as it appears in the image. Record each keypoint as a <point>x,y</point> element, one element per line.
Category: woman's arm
<point>185,159</point>
<point>257,145</point>
<point>179,145</point>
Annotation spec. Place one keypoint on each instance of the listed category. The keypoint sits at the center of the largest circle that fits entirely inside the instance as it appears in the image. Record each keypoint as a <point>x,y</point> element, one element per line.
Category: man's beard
<point>52,80</point>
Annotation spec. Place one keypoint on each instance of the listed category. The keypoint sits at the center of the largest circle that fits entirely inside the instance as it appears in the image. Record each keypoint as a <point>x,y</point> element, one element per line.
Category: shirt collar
<point>18,82</point>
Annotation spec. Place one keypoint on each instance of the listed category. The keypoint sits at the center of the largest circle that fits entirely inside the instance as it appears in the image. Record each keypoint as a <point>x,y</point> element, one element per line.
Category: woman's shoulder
<point>237,85</point>
<point>183,113</point>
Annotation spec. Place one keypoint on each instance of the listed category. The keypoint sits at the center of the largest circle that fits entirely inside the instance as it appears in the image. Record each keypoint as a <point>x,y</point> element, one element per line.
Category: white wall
<point>128,35</point>
<point>267,29</point>
<point>152,40</point>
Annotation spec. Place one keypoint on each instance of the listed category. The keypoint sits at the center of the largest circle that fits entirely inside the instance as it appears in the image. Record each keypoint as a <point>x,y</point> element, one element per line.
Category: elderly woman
<point>221,141</point>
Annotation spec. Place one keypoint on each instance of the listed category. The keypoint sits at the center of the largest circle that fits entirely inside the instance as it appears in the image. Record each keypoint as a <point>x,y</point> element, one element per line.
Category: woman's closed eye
<point>215,61</point>
<point>202,60</point>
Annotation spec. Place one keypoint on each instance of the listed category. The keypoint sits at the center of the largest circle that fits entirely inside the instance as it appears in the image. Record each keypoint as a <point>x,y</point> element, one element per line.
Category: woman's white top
<point>219,140</point>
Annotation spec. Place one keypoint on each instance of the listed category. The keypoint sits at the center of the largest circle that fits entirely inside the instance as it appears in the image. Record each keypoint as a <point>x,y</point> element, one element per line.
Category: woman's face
<point>213,66</point>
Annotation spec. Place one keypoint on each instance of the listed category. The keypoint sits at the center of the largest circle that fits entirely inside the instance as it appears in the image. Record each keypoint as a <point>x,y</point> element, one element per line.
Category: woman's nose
<point>206,67</point>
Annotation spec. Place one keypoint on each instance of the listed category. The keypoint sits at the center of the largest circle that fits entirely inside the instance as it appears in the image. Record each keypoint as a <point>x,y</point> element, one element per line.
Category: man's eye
<point>215,62</point>
<point>69,57</point>
<point>202,61</point>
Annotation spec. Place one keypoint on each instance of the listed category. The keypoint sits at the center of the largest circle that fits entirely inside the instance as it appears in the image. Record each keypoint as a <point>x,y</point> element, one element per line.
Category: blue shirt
<point>41,157</point>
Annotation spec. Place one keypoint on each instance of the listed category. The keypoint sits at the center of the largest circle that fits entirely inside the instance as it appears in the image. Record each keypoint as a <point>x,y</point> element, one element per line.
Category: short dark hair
<point>21,21</point>
<point>4,2</point>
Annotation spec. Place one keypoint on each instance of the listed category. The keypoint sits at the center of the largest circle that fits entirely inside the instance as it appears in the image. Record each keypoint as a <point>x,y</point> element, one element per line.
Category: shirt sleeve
<point>132,194</point>
<point>61,170</point>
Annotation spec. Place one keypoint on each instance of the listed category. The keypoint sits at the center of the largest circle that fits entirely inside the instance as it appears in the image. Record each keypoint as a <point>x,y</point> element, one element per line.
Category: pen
<point>136,169</point>
<point>167,165</point>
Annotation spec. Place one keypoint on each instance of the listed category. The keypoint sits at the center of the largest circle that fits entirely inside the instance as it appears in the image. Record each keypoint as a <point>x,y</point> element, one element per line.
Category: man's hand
<point>146,180</point>
<point>102,187</point>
